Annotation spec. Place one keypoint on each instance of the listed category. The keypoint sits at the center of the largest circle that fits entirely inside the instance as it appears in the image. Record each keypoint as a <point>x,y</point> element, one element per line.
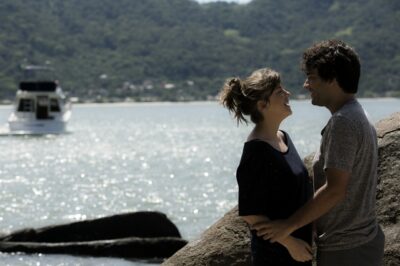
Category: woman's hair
<point>334,59</point>
<point>241,96</point>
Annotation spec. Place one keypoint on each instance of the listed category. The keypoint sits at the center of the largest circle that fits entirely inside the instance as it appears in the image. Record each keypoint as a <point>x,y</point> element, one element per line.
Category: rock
<point>388,125</point>
<point>227,241</point>
<point>131,224</point>
<point>154,248</point>
<point>388,199</point>
<point>388,203</point>
<point>136,235</point>
<point>392,245</point>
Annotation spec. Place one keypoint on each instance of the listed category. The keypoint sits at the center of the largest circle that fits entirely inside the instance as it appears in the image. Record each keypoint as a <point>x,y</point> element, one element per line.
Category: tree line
<point>105,50</point>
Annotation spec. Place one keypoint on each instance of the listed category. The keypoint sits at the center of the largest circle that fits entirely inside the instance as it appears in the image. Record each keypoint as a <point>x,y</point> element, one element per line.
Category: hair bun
<point>236,86</point>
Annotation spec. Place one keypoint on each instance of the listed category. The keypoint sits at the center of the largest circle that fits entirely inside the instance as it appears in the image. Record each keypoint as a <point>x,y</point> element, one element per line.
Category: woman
<point>273,182</point>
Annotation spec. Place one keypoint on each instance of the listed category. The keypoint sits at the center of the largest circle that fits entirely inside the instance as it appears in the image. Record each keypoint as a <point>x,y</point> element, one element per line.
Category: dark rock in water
<point>227,241</point>
<point>137,224</point>
<point>142,235</point>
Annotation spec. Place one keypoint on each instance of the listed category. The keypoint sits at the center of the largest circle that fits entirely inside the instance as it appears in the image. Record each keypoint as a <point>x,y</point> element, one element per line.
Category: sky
<point>237,1</point>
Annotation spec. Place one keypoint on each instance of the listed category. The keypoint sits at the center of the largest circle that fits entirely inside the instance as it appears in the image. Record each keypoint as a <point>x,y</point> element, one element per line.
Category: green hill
<point>181,50</point>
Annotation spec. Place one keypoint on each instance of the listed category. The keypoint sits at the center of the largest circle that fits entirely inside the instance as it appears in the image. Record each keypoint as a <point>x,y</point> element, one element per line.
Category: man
<point>345,167</point>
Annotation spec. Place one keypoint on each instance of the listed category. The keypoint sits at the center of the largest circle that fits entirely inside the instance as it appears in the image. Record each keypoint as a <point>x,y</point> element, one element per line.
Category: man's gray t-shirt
<point>348,143</point>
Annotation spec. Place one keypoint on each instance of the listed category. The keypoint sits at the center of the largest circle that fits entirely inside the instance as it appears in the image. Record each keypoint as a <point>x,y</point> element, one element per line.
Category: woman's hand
<point>298,249</point>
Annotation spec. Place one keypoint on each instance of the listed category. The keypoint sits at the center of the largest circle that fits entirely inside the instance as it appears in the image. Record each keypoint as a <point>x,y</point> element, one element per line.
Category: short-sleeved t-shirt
<point>348,143</point>
<point>273,184</point>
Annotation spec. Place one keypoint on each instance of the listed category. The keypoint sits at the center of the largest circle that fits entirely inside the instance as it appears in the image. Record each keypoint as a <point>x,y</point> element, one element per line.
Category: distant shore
<point>122,103</point>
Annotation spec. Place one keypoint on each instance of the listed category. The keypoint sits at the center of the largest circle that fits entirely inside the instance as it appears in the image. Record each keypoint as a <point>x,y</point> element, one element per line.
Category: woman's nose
<point>306,85</point>
<point>286,91</point>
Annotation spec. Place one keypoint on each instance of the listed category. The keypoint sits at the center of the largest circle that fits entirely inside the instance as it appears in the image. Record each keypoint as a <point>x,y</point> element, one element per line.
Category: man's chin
<point>315,102</point>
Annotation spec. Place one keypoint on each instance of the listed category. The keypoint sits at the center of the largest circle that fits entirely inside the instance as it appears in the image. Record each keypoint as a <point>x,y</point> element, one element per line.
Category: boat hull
<point>37,127</point>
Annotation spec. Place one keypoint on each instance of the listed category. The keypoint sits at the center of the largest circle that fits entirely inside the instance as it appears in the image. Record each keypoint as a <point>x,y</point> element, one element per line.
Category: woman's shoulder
<point>256,151</point>
<point>255,154</point>
<point>285,137</point>
<point>255,145</point>
<point>283,134</point>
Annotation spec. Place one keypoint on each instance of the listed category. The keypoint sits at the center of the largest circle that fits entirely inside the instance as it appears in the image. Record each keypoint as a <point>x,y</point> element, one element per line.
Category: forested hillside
<point>180,50</point>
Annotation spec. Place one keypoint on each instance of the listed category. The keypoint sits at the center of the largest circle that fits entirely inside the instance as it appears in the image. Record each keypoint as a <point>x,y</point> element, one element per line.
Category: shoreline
<point>165,103</point>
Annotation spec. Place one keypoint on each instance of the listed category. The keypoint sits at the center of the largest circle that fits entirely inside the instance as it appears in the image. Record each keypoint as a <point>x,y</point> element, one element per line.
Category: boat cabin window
<point>25,105</point>
<point>54,106</point>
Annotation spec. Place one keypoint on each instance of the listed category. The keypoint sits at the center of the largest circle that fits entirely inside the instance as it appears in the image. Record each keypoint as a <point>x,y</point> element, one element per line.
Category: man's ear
<point>334,84</point>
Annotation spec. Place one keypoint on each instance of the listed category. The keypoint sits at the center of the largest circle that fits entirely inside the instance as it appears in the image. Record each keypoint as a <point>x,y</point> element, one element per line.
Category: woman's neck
<point>270,134</point>
<point>267,131</point>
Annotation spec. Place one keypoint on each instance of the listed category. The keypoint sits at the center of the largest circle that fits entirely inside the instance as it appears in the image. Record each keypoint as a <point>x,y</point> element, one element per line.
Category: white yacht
<point>40,108</point>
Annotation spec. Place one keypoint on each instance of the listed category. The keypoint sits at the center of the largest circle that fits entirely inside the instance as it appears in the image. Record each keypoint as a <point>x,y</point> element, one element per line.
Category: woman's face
<point>278,104</point>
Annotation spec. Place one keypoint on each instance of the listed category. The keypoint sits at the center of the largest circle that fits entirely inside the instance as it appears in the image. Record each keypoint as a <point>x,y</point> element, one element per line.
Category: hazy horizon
<point>236,1</point>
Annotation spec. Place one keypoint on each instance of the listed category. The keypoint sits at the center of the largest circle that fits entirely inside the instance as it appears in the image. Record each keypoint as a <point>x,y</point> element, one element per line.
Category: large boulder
<point>227,241</point>
<point>388,199</point>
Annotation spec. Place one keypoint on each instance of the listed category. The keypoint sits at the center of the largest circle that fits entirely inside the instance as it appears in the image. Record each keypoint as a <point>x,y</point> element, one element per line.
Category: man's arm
<point>327,197</point>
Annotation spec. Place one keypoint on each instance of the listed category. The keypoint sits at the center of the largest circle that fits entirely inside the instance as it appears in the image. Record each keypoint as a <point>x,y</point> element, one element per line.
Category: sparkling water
<point>177,158</point>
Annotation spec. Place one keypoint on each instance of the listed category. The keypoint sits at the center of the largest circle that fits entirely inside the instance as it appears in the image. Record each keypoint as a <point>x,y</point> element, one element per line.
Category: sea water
<point>177,158</point>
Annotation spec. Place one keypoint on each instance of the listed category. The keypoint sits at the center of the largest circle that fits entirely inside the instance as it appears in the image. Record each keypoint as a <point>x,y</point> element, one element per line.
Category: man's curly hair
<point>334,59</point>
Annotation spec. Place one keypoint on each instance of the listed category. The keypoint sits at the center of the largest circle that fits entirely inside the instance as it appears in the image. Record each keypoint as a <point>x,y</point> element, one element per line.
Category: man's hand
<point>273,231</point>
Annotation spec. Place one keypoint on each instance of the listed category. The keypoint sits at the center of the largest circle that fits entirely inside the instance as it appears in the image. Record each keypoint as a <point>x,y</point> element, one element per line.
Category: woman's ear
<point>262,105</point>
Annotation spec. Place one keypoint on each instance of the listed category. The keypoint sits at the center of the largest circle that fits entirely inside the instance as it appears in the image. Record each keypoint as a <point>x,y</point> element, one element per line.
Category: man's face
<point>320,90</point>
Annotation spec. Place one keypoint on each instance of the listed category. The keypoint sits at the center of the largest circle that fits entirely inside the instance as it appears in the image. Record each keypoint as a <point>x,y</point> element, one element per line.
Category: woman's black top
<point>273,184</point>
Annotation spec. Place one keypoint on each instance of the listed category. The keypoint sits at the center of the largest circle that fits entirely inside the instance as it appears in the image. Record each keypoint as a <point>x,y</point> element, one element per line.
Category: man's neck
<point>340,102</point>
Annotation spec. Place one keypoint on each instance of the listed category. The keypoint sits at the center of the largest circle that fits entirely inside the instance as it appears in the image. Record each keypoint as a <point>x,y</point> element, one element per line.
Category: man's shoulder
<point>352,111</point>
<point>353,115</point>
<point>341,123</point>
